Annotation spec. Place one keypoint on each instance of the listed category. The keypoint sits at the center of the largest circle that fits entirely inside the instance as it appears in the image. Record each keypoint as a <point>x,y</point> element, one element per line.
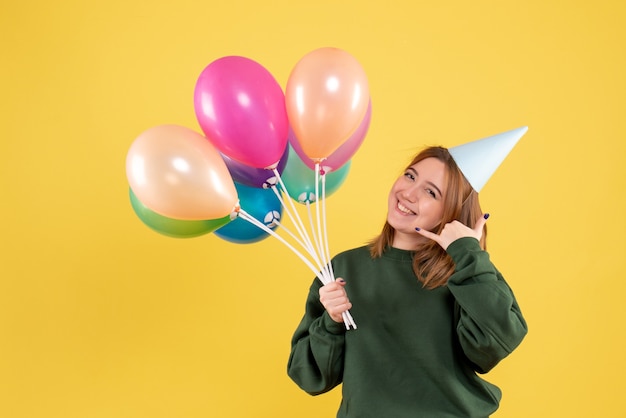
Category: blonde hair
<point>431,264</point>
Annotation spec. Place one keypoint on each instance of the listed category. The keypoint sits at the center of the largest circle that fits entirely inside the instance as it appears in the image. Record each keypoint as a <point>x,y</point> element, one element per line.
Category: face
<point>416,200</point>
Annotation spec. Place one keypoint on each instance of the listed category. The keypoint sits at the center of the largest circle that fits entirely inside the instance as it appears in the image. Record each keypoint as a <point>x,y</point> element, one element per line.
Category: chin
<point>401,226</point>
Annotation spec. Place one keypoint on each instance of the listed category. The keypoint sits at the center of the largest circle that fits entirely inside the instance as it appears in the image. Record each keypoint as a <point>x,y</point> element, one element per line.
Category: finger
<point>326,292</point>
<point>332,291</point>
<point>331,286</point>
<point>480,224</point>
<point>339,308</point>
<point>428,234</point>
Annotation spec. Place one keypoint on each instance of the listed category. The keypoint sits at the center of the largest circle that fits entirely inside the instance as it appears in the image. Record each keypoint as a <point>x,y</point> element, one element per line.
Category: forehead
<point>432,170</point>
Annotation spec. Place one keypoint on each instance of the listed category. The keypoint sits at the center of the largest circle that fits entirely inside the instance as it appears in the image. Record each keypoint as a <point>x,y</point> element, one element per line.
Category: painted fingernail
<point>486,216</point>
<point>418,229</point>
<point>341,280</point>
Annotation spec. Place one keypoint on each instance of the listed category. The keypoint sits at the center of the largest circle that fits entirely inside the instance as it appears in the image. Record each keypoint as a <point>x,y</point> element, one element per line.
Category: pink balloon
<point>341,155</point>
<point>178,174</point>
<point>241,109</point>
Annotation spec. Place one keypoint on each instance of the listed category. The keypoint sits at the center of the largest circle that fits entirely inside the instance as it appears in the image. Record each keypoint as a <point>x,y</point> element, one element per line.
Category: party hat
<point>479,159</point>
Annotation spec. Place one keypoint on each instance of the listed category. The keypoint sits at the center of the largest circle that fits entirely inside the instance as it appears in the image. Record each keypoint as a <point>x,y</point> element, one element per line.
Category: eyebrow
<point>434,186</point>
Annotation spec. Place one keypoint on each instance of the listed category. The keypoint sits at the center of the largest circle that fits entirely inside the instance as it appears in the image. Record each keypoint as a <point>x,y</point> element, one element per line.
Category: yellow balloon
<point>178,173</point>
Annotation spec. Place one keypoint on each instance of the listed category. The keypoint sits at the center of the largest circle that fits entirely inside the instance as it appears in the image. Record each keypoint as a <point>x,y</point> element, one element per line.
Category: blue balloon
<point>261,204</point>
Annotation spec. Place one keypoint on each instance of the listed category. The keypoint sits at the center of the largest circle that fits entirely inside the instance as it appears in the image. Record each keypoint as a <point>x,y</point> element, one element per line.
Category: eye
<point>409,175</point>
<point>431,192</point>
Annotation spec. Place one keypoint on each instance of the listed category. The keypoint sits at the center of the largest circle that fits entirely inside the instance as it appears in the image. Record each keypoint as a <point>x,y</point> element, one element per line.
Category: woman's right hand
<point>335,300</point>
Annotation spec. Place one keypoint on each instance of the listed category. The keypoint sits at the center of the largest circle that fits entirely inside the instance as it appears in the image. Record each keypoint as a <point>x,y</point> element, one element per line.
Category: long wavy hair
<point>431,264</point>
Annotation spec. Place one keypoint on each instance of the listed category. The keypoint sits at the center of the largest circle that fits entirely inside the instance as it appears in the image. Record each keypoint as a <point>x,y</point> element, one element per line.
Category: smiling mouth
<point>404,209</point>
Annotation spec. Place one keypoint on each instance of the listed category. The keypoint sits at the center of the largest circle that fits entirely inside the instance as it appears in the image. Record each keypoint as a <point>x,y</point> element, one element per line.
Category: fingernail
<point>486,216</point>
<point>341,280</point>
<point>418,229</point>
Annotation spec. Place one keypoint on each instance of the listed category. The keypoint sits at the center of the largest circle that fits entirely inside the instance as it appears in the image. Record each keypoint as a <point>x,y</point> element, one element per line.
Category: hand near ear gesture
<point>455,230</point>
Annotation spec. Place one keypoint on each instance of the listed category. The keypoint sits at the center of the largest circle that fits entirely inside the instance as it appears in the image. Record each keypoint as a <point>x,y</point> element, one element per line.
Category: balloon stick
<point>319,253</point>
<point>348,320</point>
<point>306,242</point>
<point>246,216</point>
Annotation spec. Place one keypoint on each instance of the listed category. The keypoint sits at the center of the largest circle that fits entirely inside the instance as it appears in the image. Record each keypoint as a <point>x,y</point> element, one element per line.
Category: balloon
<point>327,96</point>
<point>174,228</point>
<point>241,109</point>
<point>344,153</point>
<point>252,176</point>
<point>177,173</point>
<point>299,179</point>
<point>262,204</point>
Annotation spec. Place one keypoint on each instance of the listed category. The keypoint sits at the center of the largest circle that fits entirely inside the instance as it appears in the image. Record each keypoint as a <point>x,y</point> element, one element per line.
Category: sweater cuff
<point>336,328</point>
<point>461,246</point>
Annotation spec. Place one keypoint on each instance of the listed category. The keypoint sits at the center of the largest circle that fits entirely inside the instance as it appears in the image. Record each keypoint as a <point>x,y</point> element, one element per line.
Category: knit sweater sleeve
<point>317,347</point>
<point>490,324</point>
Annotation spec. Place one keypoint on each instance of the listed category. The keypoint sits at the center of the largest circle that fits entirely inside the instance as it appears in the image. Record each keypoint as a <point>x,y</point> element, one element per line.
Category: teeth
<point>404,209</point>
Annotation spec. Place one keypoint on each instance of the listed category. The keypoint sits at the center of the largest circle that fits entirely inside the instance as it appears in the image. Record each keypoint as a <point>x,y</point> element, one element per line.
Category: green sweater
<point>416,351</point>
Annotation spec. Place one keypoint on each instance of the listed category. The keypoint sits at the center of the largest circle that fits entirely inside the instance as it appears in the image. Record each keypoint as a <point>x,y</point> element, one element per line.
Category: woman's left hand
<point>455,230</point>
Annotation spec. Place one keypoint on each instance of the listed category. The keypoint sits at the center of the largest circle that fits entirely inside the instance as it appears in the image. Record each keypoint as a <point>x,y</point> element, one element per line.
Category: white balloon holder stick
<point>315,245</point>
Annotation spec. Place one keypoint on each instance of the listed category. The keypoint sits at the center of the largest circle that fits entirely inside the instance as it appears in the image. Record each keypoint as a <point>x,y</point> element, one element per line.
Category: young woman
<point>432,310</point>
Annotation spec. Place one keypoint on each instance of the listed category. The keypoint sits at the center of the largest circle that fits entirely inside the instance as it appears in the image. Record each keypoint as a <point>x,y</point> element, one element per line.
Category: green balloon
<point>174,228</point>
<point>299,179</point>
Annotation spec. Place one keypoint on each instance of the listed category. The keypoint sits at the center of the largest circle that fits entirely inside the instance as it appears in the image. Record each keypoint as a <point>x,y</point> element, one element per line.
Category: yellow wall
<point>101,317</point>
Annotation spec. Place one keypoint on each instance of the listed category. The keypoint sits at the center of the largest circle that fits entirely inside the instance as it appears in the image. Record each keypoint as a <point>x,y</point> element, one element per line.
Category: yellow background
<point>101,317</point>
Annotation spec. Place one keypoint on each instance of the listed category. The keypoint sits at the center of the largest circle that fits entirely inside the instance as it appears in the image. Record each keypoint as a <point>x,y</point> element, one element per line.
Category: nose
<point>410,194</point>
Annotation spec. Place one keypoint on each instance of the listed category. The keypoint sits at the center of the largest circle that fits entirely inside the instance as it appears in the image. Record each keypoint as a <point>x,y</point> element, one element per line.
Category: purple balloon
<point>253,176</point>
<point>241,109</point>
